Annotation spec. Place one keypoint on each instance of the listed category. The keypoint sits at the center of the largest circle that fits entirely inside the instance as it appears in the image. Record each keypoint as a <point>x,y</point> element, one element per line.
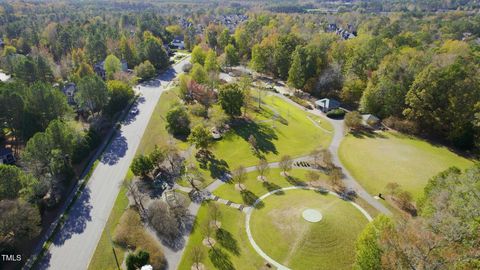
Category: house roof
<point>327,103</point>
<point>5,152</point>
<point>69,88</point>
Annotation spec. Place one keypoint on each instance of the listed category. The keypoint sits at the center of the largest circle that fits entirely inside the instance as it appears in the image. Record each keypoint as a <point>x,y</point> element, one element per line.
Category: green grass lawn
<point>392,157</point>
<point>238,251</point>
<point>291,134</point>
<point>156,132</point>
<point>257,188</point>
<point>103,257</point>
<point>282,233</point>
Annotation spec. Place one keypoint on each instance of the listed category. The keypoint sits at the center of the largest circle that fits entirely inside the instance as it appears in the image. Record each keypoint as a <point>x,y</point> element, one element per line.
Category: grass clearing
<point>292,133</point>
<point>156,132</point>
<point>282,233</point>
<point>239,252</point>
<point>392,157</point>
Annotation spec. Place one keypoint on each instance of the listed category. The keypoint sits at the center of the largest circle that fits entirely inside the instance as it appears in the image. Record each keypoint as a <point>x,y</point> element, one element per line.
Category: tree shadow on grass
<point>272,187</point>
<point>263,133</point>
<point>218,167</point>
<point>361,134</point>
<point>249,198</point>
<point>295,181</point>
<point>322,191</point>
<point>225,238</point>
<point>220,259</point>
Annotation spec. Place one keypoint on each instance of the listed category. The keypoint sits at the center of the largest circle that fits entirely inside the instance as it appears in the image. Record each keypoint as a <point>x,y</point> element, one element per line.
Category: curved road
<point>74,245</point>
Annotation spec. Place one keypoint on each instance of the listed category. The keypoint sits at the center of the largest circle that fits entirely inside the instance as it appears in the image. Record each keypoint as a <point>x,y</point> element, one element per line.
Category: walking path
<point>174,257</point>
<point>249,214</point>
<point>338,135</point>
<point>348,179</point>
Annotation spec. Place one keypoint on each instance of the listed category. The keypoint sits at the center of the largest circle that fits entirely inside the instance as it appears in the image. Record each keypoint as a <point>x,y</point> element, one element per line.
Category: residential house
<point>178,43</point>
<point>327,104</point>
<point>6,156</point>
<point>344,33</point>
<point>99,68</point>
<point>69,91</point>
<point>332,27</point>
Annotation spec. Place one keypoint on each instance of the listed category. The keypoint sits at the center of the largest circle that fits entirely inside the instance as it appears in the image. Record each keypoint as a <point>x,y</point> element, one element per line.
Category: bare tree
<point>163,221</point>
<point>176,161</point>
<point>263,168</point>
<point>198,255</point>
<point>253,144</point>
<point>214,213</point>
<point>404,199</point>
<point>239,176</point>
<point>286,163</point>
<point>317,155</point>
<point>137,196</point>
<point>335,177</point>
<point>208,231</point>
<point>327,159</point>
<point>194,176</point>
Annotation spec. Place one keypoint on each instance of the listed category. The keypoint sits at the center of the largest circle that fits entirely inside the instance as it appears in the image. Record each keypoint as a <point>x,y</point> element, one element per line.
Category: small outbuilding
<point>327,104</point>
<point>370,120</point>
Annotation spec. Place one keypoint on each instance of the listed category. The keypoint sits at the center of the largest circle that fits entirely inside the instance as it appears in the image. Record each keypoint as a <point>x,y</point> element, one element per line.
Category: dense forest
<point>414,64</point>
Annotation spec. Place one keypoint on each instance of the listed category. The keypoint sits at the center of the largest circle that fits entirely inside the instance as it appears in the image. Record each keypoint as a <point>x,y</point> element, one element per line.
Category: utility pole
<point>113,247</point>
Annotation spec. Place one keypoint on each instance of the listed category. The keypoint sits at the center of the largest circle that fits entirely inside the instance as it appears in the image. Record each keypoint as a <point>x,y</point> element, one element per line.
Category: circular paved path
<point>260,252</point>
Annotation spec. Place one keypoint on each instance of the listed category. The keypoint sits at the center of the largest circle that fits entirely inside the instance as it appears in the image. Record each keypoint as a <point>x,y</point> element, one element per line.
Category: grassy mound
<point>299,244</point>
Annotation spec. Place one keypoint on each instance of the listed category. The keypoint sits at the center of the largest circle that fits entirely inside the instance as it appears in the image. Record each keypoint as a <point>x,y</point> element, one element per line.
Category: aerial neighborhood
<point>226,135</point>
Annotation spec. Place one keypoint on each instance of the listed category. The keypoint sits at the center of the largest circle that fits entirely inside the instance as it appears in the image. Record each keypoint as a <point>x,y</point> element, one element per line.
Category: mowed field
<point>280,129</point>
<point>233,250</point>
<point>391,157</point>
<point>156,132</point>
<point>282,233</point>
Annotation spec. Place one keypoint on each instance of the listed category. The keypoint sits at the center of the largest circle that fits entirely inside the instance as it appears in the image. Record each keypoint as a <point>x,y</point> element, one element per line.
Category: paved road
<point>74,245</point>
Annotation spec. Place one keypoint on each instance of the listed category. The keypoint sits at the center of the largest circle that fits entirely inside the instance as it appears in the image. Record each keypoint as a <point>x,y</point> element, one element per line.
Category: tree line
<point>418,72</point>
